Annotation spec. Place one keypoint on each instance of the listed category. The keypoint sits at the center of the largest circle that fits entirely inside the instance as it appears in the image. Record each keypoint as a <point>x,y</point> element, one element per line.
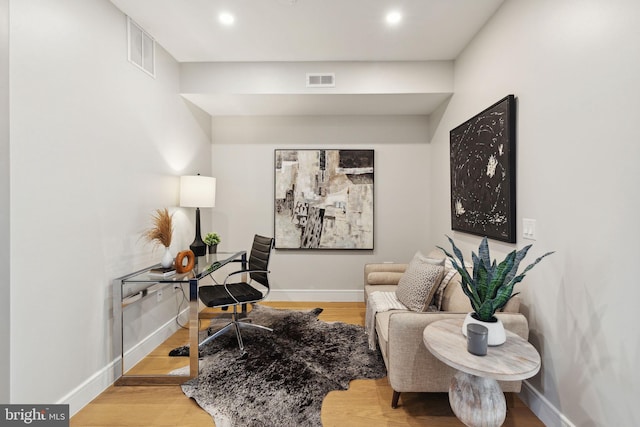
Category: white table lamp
<point>198,191</point>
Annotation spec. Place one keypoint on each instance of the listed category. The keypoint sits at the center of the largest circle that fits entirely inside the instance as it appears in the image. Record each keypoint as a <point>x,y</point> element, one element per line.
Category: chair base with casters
<point>236,324</point>
<point>227,294</point>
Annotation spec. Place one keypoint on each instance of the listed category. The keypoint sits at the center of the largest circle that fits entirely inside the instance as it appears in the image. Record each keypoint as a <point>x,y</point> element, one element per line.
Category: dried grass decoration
<point>162,229</point>
<point>161,233</point>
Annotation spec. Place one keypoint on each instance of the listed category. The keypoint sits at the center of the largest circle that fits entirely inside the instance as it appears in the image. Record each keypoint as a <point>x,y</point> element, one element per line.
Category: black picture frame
<point>323,199</point>
<point>483,173</point>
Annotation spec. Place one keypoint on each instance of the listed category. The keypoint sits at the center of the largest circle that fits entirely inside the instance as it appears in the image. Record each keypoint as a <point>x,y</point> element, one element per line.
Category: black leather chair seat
<point>216,296</point>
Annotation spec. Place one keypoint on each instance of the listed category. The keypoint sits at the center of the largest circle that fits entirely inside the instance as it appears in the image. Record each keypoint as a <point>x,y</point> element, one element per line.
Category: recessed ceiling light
<point>393,18</point>
<point>226,18</point>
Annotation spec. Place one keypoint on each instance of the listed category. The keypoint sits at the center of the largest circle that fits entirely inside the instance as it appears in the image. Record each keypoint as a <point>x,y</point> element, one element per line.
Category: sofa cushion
<point>419,283</point>
<point>512,306</point>
<point>437,254</point>
<point>448,276</point>
<point>454,298</point>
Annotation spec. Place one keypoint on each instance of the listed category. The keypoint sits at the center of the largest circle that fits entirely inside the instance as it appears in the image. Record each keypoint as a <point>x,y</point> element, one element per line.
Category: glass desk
<point>133,289</point>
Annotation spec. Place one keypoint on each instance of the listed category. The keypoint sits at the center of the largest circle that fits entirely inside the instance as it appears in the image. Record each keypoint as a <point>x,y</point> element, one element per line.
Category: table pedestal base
<point>477,401</point>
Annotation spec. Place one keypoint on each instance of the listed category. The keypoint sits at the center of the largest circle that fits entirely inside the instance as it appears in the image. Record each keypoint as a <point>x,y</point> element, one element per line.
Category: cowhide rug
<point>287,372</point>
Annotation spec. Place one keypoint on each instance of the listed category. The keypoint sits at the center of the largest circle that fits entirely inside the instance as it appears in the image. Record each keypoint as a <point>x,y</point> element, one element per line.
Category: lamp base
<point>198,248</point>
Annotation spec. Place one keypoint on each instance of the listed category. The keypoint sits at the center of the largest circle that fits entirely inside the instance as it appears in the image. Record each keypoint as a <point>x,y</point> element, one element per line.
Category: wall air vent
<point>321,80</point>
<point>142,48</point>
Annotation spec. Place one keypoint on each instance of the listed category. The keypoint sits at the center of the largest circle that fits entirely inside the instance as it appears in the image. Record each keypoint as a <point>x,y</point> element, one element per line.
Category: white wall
<point>279,88</point>
<point>357,77</point>
<point>574,68</point>
<point>4,200</point>
<point>96,147</point>
<point>243,163</point>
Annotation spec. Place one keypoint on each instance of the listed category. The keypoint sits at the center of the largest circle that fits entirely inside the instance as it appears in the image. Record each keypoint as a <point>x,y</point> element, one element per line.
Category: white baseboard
<point>79,397</point>
<point>82,395</point>
<point>542,408</point>
<point>319,295</point>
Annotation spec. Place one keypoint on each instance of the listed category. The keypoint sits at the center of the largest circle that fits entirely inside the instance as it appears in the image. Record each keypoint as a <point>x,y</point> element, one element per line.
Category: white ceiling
<point>310,30</point>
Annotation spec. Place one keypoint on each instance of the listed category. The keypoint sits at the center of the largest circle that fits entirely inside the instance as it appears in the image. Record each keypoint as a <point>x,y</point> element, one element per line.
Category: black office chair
<point>240,293</point>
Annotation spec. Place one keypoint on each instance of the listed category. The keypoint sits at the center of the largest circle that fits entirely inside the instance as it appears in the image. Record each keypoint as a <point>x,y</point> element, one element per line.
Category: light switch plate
<point>529,228</point>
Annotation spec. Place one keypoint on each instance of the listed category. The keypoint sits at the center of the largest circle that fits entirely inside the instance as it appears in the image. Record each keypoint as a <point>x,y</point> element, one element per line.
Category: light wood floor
<point>366,403</point>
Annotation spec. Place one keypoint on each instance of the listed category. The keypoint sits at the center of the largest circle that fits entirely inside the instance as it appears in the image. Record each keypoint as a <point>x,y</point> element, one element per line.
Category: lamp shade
<point>197,191</point>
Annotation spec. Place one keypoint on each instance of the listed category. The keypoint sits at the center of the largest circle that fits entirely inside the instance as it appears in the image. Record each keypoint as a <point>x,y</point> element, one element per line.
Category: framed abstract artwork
<point>323,199</point>
<point>483,173</point>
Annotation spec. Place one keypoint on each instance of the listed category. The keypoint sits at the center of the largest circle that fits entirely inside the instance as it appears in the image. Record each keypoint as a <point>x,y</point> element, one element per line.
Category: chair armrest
<point>247,271</point>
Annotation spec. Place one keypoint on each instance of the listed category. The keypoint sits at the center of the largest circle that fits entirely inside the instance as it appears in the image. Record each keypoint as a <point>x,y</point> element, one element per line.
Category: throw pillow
<point>434,261</point>
<point>418,283</point>
<point>437,300</point>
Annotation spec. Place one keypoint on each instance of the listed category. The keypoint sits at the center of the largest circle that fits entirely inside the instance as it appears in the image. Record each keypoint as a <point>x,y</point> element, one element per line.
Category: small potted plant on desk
<point>212,240</point>
<point>491,285</point>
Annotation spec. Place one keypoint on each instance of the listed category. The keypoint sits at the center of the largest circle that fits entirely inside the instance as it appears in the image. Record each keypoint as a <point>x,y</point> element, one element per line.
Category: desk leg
<point>193,328</point>
<point>477,401</point>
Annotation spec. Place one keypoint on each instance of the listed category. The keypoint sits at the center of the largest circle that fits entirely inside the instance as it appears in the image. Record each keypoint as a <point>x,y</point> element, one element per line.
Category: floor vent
<point>142,48</point>
<point>321,80</point>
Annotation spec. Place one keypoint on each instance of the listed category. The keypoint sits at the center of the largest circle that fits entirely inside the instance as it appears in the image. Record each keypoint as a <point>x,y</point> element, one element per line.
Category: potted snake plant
<point>490,286</point>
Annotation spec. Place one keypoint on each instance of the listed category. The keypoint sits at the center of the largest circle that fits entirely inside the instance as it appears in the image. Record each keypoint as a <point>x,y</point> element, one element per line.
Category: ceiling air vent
<point>142,48</point>
<point>321,80</point>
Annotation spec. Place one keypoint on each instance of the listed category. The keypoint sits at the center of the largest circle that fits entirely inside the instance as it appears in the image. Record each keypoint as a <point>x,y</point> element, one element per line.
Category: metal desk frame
<point>205,265</point>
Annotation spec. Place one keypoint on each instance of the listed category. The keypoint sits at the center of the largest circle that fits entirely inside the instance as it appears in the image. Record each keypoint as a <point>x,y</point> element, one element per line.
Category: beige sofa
<point>410,366</point>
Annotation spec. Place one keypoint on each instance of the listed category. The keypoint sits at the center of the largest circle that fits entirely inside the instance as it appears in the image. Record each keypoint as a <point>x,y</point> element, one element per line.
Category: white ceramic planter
<point>496,335</point>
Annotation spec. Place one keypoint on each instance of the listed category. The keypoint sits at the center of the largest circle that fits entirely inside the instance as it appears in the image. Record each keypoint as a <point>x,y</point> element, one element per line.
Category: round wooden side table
<point>474,393</point>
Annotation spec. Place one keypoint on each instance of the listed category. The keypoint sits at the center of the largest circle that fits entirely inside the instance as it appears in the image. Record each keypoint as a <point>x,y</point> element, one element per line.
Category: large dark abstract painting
<point>483,187</point>
<point>323,199</point>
